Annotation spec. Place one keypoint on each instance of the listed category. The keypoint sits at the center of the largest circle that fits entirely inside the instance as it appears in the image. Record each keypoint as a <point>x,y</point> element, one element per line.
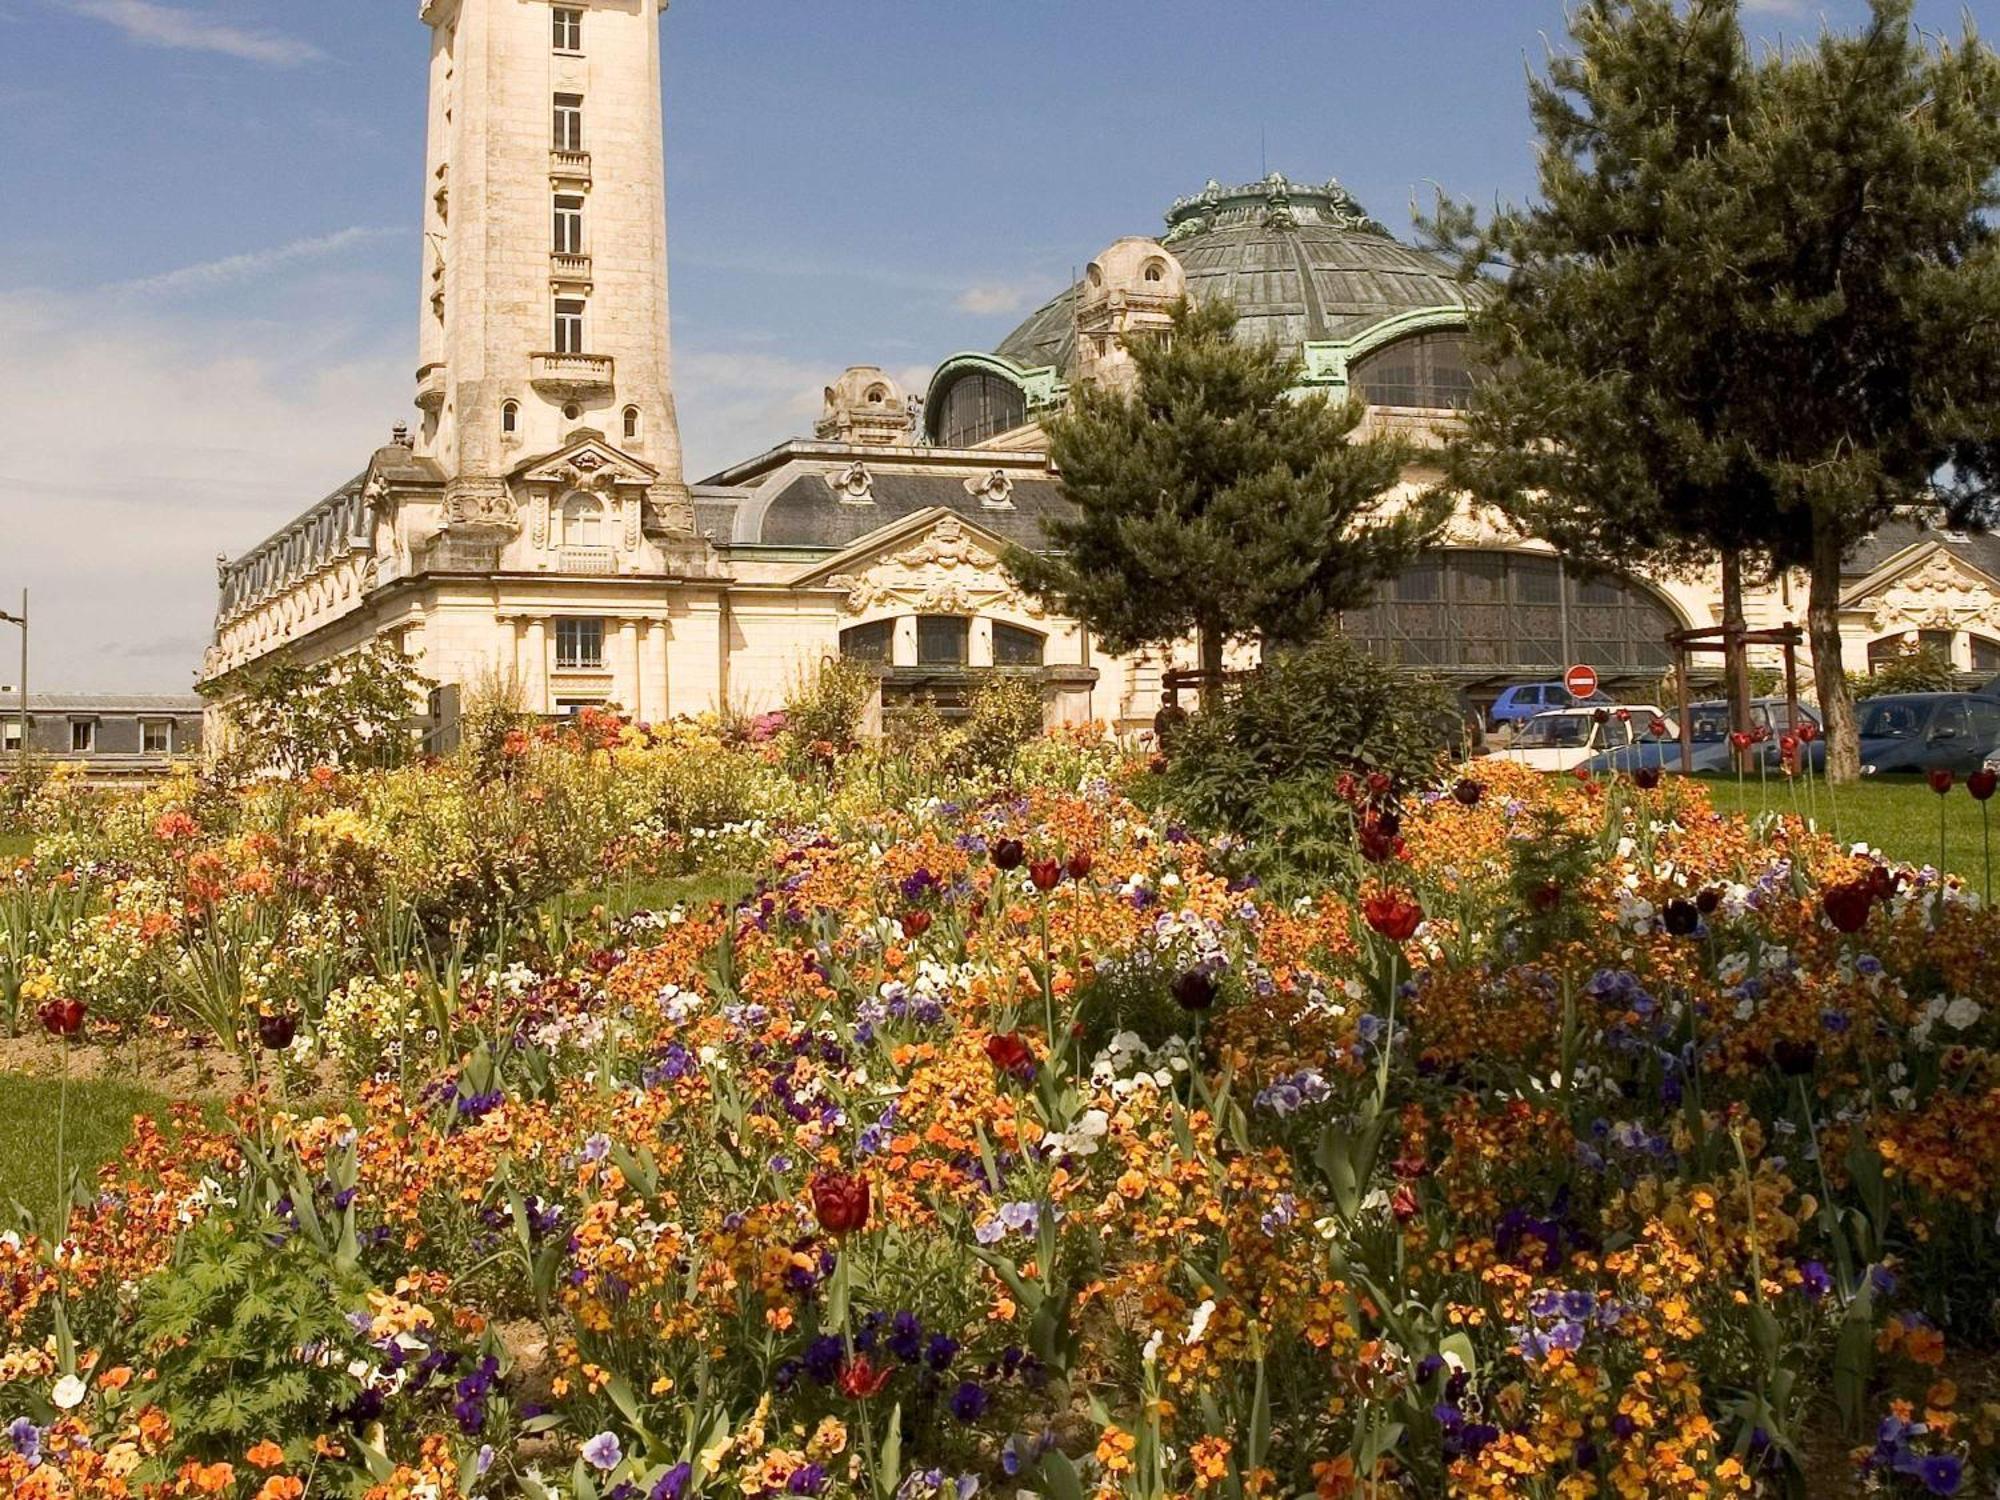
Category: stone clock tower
<point>544,295</point>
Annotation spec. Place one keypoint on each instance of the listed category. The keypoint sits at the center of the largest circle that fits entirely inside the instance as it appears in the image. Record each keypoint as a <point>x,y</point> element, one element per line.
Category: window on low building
<point>943,640</point>
<point>156,737</point>
<point>569,122</point>
<point>579,644</point>
<point>569,325</point>
<point>568,29</point>
<point>82,736</point>
<point>872,642</point>
<point>10,734</point>
<point>569,225</point>
<point>1015,647</point>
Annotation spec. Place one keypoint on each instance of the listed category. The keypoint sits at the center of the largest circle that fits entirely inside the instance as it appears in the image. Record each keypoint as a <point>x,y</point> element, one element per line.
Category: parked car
<point>1564,738</point>
<point>1919,732</point>
<point>1708,728</point>
<point>1524,700</point>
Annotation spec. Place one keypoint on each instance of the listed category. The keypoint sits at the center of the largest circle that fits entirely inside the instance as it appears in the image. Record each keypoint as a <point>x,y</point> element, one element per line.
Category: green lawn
<point>1899,817</point>
<point>98,1123</point>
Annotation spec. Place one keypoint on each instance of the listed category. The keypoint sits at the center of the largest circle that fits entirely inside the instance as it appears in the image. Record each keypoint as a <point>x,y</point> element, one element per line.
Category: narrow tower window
<point>510,417</point>
<point>631,424</point>
<point>568,30</point>
<point>569,325</point>
<point>569,122</point>
<point>569,225</point>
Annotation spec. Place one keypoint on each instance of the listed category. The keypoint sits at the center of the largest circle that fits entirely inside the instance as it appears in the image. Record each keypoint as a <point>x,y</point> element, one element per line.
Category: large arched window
<point>1016,647</point>
<point>870,642</point>
<point>1479,613</point>
<point>1906,643</point>
<point>1424,370</point>
<point>1985,654</point>
<point>975,407</point>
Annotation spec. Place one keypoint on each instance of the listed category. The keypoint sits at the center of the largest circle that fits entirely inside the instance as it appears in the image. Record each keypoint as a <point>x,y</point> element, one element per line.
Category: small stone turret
<point>1128,293</point>
<point>866,406</point>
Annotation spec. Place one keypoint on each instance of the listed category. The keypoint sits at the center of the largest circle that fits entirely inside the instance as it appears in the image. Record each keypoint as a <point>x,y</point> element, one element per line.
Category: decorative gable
<point>1929,589</point>
<point>587,462</point>
<point>935,562</point>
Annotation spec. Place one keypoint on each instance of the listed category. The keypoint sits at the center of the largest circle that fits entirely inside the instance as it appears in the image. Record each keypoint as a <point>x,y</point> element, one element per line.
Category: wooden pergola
<point>1732,642</point>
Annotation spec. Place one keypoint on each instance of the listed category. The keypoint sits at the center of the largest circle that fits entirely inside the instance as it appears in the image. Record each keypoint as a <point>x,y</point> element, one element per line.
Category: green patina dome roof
<point>1303,264</point>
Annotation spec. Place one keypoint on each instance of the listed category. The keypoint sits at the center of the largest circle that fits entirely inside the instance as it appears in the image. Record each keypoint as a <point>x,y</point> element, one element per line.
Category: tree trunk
<point>1836,697</point>
<point>1211,666</point>
<point>1735,657</point>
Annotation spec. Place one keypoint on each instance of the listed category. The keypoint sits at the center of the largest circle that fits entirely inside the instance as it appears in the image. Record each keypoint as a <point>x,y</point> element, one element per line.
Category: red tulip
<point>840,1201</point>
<point>1403,1203</point>
<point>859,1379</point>
<point>1079,865</point>
<point>916,923</point>
<point>1624,716</point>
<point>1657,727</point>
<point>1046,874</point>
<point>1008,1052</point>
<point>1941,781</point>
<point>1378,784</point>
<point>1739,739</point>
<point>1808,730</point>
<point>62,1018</point>
<point>1761,733</point>
<point>1846,906</point>
<point>1981,784</point>
<point>1582,773</point>
<point>1378,841</point>
<point>1393,914</point>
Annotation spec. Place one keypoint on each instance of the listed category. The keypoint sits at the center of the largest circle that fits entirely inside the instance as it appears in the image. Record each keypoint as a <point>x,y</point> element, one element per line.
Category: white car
<point>1564,738</point>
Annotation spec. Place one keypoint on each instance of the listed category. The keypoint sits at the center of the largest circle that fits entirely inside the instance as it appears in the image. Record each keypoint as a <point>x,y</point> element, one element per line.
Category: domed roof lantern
<point>1129,292</point>
<point>866,406</point>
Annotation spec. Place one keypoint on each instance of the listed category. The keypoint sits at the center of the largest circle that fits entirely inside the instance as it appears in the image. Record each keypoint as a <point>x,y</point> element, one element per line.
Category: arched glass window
<point>510,417</point>
<point>1985,654</point>
<point>582,520</point>
<point>1494,613</point>
<point>1908,643</point>
<point>631,424</point>
<point>1015,647</point>
<point>870,642</point>
<point>1424,370</point>
<point>975,407</point>
<point>943,640</point>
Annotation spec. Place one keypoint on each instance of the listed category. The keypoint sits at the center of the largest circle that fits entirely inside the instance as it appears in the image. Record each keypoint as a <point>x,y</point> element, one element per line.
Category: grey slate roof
<point>107,703</point>
<point>805,513</point>
<point>1980,549</point>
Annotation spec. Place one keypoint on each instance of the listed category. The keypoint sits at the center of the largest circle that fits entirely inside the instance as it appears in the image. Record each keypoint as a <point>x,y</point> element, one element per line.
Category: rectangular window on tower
<point>569,122</point>
<point>569,325</point>
<point>569,29</point>
<point>569,225</point>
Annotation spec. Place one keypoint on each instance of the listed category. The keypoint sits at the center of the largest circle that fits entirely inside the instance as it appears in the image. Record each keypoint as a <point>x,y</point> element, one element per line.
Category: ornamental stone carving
<point>472,500</point>
<point>948,572</point>
<point>1939,593</point>
<point>948,545</point>
<point>995,491</point>
<point>853,484</point>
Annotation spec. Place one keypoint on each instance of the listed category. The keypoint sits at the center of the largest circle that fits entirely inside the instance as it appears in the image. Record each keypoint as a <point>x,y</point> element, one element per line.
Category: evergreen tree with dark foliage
<point>1756,307</point>
<point>1213,500</point>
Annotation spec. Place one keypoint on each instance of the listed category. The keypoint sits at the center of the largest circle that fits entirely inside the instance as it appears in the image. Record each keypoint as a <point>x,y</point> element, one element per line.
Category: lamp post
<point>22,620</point>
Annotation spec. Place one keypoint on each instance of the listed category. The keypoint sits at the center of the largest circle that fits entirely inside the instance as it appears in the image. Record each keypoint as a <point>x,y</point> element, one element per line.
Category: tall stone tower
<point>544,305</point>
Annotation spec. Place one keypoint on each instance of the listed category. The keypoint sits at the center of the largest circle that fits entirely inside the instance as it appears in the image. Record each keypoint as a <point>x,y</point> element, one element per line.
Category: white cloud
<point>252,263</point>
<point>991,299</point>
<point>1775,7</point>
<point>155,25</point>
<point>145,445</point>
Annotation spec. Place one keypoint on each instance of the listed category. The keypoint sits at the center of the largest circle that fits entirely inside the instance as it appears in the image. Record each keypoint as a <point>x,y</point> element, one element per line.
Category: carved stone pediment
<point>590,464</point>
<point>1938,593</point>
<point>949,568</point>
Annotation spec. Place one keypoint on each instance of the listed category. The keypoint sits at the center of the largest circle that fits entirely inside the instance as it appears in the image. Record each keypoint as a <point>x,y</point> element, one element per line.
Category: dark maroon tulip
<point>276,1031</point>
<point>63,1018</point>
<point>1468,792</point>
<point>1194,990</point>
<point>1681,917</point>
<point>840,1202</point>
<point>1008,854</point>
<point>1079,865</point>
<point>1941,780</point>
<point>1846,906</point>
<point>1981,784</point>
<point>1646,778</point>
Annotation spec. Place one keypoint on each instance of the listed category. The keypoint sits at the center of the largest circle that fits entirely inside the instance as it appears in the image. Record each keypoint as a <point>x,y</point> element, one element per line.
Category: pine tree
<point>1212,500</point>
<point>1756,307</point>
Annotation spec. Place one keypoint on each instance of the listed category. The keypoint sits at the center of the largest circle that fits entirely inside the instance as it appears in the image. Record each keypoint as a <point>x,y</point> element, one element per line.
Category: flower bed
<point>1578,1142</point>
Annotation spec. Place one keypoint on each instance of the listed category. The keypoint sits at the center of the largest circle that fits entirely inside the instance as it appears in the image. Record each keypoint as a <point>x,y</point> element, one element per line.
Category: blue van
<point>1526,699</point>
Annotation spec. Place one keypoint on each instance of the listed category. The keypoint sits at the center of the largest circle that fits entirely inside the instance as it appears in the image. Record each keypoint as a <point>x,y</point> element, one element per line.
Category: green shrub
<point>1004,714</point>
<point>826,708</point>
<point>1268,755</point>
<point>1927,670</point>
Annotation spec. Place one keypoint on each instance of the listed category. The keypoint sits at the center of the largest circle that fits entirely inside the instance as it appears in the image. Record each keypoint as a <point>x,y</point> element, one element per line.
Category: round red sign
<point>1580,680</point>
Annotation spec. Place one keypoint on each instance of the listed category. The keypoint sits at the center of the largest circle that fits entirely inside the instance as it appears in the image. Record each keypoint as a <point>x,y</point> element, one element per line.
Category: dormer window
<point>568,29</point>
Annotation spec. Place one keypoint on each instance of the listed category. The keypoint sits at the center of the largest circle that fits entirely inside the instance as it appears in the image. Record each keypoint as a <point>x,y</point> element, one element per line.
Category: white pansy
<point>69,1392</point>
<point>1198,1324</point>
<point>1961,1013</point>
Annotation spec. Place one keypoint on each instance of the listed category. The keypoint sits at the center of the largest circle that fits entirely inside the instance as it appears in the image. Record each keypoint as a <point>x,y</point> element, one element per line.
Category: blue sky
<point>209,268</point>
